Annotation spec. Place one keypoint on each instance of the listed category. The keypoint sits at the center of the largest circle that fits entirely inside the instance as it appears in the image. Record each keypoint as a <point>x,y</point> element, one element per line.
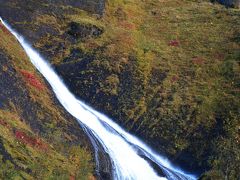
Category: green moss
<point>168,94</point>
<point>25,158</point>
<point>166,70</point>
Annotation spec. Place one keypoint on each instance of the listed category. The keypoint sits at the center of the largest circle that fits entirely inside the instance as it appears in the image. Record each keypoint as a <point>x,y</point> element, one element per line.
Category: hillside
<point>166,70</point>
<point>38,139</point>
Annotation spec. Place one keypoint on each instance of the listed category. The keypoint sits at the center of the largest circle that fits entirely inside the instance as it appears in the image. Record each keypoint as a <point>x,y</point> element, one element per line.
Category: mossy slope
<point>165,70</point>
<point>37,139</point>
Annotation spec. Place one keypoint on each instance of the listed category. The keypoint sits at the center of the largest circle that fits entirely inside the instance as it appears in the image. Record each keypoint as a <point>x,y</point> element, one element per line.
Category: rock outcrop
<point>230,3</point>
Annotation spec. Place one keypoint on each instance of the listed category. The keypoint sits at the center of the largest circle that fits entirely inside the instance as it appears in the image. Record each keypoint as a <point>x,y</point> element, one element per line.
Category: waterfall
<point>130,157</point>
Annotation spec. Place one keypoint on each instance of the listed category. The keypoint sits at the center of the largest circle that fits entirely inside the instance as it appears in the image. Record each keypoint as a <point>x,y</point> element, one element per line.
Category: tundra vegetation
<point>36,139</point>
<point>165,70</point>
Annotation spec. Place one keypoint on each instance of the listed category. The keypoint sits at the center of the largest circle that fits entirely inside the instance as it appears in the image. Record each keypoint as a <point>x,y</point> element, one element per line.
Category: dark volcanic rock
<point>229,3</point>
<point>83,31</point>
<point>18,12</point>
<point>78,55</point>
<point>4,153</point>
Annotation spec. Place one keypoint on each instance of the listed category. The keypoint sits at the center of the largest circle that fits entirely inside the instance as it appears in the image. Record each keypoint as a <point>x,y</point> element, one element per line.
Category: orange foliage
<point>125,41</point>
<point>198,60</point>
<point>127,25</point>
<point>133,14</point>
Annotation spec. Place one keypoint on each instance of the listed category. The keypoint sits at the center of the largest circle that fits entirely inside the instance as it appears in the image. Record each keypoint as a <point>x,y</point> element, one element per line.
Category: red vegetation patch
<point>198,60</point>
<point>174,78</point>
<point>32,80</point>
<point>128,25</point>
<point>125,41</point>
<point>72,177</point>
<point>174,43</point>
<point>34,142</point>
<point>4,29</point>
<point>219,56</point>
<point>3,123</point>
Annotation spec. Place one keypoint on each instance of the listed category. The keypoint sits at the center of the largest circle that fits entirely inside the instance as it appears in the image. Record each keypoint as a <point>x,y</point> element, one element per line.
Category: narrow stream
<point>131,158</point>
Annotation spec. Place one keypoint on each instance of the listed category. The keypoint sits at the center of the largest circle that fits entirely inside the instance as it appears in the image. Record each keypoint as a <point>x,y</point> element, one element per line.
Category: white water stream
<point>125,151</point>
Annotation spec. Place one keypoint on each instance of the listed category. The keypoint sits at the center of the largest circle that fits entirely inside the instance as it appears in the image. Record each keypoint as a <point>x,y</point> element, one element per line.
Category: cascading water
<point>130,157</point>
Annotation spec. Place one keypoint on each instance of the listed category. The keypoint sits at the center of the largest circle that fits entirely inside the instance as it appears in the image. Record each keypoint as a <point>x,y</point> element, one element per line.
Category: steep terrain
<point>166,70</point>
<point>38,139</point>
